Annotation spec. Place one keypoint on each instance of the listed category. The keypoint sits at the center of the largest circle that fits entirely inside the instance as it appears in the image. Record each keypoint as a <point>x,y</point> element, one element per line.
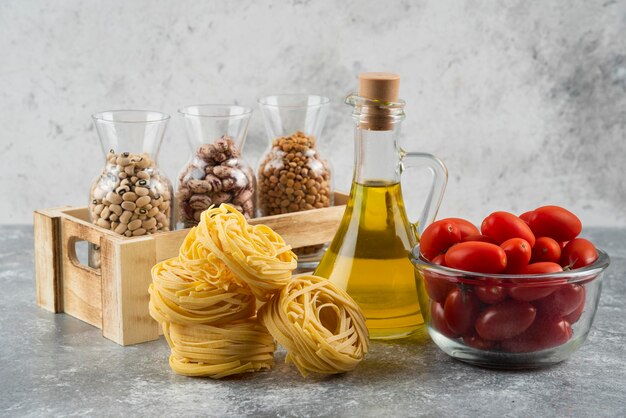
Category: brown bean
<point>103,223</point>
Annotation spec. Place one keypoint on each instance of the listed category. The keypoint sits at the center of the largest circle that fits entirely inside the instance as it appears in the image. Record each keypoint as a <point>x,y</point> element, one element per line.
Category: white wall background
<point>524,101</point>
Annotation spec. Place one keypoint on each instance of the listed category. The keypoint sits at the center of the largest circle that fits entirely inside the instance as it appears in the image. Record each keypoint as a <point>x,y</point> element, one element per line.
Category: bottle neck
<point>377,155</point>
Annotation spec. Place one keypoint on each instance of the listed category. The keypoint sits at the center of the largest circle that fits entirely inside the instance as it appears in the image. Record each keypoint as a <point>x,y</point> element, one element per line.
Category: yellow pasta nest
<point>322,328</point>
<point>216,352</point>
<point>205,300</point>
<point>255,254</point>
<point>183,296</point>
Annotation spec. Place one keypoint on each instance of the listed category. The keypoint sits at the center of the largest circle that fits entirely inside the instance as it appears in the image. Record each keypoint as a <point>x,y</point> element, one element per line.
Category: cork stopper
<point>383,87</point>
<point>379,86</point>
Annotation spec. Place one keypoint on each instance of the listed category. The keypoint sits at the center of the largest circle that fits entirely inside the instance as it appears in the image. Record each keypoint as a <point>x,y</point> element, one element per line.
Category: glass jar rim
<point>578,274</point>
<point>130,116</point>
<point>266,101</point>
<point>354,99</point>
<point>215,110</point>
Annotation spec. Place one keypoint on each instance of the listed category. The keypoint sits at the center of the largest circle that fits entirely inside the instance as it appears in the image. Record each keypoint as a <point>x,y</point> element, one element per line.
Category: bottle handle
<point>440,179</point>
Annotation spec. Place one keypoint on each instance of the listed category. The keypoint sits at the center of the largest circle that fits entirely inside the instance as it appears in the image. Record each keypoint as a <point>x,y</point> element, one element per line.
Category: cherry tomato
<point>529,291</point>
<point>437,286</point>
<point>578,253</point>
<point>438,320</point>
<point>504,225</point>
<point>562,302</point>
<point>555,222</point>
<point>546,249</point>
<point>518,252</point>
<point>460,310</point>
<point>466,227</point>
<point>490,293</point>
<point>439,260</point>
<point>541,335</point>
<point>481,238</point>
<point>577,313</point>
<point>527,216</point>
<point>478,257</point>
<point>476,342</point>
<point>505,320</point>
<point>438,237</point>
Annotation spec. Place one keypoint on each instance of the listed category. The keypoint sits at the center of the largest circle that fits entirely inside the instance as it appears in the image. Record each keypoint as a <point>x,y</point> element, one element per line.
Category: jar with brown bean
<point>292,176</point>
<point>216,172</point>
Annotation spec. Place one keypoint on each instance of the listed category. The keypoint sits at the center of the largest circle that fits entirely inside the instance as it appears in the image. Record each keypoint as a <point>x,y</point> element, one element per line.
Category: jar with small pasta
<point>292,176</point>
<point>216,172</point>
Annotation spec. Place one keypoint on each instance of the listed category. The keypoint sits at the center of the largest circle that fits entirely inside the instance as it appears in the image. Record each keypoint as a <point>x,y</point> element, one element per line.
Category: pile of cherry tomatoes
<point>509,314</point>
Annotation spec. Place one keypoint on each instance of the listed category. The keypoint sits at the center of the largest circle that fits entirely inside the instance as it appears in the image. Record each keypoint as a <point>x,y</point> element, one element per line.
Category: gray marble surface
<point>55,365</point>
<point>523,100</point>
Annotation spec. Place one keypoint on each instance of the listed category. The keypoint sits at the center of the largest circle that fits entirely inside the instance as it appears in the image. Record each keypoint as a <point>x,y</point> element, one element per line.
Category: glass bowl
<point>508,321</point>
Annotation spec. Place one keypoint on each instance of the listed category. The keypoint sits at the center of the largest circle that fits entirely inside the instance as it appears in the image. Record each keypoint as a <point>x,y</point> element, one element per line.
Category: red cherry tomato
<point>481,238</point>
<point>505,320</point>
<point>438,320</point>
<point>476,342</point>
<point>527,216</point>
<point>478,257</point>
<point>437,286</point>
<point>490,293</point>
<point>562,302</point>
<point>541,335</point>
<point>438,237</point>
<point>504,225</point>
<point>460,310</point>
<point>518,252</point>
<point>555,222</point>
<point>466,227</point>
<point>529,291</point>
<point>546,249</point>
<point>578,253</point>
<point>577,313</point>
<point>439,260</point>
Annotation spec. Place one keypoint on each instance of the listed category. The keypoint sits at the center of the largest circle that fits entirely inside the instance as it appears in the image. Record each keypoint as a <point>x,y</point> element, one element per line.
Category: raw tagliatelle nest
<point>321,327</point>
<point>184,296</point>
<point>255,254</point>
<point>205,350</point>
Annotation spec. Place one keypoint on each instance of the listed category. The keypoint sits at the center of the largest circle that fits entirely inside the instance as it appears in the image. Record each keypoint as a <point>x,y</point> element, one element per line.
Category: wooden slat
<point>311,227</point>
<point>48,272</point>
<point>82,287</point>
<point>126,278</point>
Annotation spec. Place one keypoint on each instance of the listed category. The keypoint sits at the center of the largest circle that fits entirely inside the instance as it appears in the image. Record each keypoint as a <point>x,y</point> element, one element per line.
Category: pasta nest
<point>183,296</point>
<point>216,352</point>
<point>255,254</point>
<point>320,326</point>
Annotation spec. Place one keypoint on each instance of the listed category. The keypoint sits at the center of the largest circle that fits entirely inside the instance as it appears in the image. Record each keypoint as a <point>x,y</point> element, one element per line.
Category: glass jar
<point>292,175</point>
<point>368,257</point>
<point>131,196</point>
<point>216,173</point>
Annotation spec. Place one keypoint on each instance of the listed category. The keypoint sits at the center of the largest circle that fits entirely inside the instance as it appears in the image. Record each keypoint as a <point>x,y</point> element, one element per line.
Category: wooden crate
<point>115,296</point>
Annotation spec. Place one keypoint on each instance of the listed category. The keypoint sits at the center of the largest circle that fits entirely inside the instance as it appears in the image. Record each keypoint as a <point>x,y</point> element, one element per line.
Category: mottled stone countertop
<point>55,365</point>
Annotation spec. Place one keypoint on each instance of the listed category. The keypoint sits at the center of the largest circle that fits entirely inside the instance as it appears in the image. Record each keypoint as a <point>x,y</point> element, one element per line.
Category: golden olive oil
<point>369,259</point>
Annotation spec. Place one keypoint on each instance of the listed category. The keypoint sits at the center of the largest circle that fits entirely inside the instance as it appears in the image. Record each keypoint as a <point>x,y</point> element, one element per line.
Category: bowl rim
<point>579,274</point>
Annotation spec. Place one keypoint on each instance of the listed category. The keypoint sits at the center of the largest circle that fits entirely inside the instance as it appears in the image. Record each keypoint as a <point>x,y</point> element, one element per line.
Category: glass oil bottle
<point>368,256</point>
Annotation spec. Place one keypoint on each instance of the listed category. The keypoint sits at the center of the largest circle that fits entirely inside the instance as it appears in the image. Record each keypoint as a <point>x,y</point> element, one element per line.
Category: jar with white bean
<point>131,196</point>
